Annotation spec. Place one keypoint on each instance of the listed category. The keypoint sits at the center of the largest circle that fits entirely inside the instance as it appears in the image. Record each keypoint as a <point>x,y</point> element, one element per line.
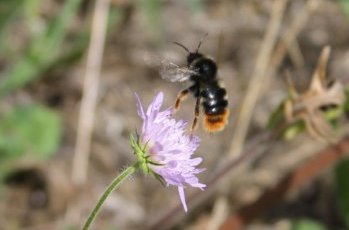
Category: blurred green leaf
<point>344,4</point>
<point>151,9</point>
<point>195,5</point>
<point>29,130</point>
<point>70,227</point>
<point>115,17</point>
<point>305,224</point>
<point>41,52</point>
<point>342,189</point>
<point>31,10</point>
<point>293,130</point>
<point>276,117</point>
<point>346,104</point>
<point>8,9</point>
<point>297,127</point>
<point>76,51</point>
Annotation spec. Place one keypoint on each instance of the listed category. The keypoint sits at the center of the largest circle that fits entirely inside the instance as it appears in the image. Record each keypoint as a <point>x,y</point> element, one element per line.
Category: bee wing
<point>174,73</point>
<point>167,69</point>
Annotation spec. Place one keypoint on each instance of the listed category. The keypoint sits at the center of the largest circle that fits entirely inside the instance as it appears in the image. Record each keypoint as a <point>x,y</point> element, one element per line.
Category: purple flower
<point>167,148</point>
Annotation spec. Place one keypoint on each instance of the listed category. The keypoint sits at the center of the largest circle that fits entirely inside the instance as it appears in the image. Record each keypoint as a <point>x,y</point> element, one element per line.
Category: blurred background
<point>68,73</point>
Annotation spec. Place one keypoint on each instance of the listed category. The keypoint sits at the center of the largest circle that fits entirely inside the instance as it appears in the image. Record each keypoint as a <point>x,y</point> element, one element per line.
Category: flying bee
<point>201,71</point>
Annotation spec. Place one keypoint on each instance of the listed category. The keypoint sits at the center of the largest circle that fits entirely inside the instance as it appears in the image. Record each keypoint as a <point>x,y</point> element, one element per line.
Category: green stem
<point>127,172</point>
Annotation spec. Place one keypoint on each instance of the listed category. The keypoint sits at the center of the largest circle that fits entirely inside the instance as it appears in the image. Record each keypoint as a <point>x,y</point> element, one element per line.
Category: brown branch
<point>292,181</point>
<point>90,92</point>
<point>292,32</point>
<point>267,63</point>
<point>258,77</point>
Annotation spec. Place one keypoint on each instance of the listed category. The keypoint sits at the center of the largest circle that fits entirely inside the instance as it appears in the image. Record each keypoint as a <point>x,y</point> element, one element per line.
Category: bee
<point>201,71</point>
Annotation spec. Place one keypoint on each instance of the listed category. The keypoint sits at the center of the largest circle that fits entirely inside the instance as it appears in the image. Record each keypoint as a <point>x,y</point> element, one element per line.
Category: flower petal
<point>140,109</point>
<point>170,148</point>
<point>182,197</point>
<point>154,107</point>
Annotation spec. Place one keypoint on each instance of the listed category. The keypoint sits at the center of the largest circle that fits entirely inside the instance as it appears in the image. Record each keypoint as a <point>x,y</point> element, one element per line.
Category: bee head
<point>206,67</point>
<point>193,56</point>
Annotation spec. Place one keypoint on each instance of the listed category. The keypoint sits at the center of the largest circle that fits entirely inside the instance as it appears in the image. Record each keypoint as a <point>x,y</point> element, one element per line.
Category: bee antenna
<point>201,40</point>
<point>179,44</point>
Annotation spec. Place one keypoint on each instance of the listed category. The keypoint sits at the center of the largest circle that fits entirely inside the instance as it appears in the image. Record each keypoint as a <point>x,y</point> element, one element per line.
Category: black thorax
<point>206,84</point>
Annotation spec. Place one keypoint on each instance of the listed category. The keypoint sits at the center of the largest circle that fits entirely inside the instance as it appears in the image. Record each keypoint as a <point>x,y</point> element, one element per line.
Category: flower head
<point>165,149</point>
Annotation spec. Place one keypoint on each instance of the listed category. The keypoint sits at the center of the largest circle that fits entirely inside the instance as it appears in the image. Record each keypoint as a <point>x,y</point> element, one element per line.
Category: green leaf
<point>293,130</point>
<point>346,104</point>
<point>31,14</point>
<point>151,11</point>
<point>8,10</point>
<point>41,52</point>
<point>342,189</point>
<point>29,130</point>
<point>195,5</point>
<point>276,117</point>
<point>306,224</point>
<point>344,4</point>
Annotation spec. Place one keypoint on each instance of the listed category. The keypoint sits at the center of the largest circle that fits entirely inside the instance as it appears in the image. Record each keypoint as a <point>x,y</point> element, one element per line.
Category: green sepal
<point>159,178</point>
<point>143,158</point>
<point>139,152</point>
<point>154,163</point>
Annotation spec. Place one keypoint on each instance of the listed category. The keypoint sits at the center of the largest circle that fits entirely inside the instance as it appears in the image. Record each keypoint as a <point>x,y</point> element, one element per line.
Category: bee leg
<point>180,98</point>
<point>197,114</point>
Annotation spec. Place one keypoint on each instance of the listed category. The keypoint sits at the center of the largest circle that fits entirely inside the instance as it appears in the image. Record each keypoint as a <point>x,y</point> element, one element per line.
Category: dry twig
<point>258,76</point>
<point>289,37</point>
<point>263,72</point>
<point>90,92</point>
<point>292,181</point>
